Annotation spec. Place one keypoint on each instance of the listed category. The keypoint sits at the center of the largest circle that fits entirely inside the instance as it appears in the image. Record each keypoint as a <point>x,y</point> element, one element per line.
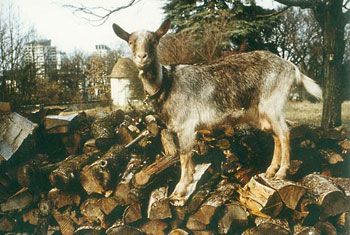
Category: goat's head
<point>143,44</point>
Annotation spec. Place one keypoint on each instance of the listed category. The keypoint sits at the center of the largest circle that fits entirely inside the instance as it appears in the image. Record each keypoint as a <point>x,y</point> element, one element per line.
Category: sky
<point>69,32</point>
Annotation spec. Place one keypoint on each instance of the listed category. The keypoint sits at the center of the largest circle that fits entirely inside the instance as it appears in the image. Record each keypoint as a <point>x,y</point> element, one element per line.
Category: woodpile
<point>78,174</point>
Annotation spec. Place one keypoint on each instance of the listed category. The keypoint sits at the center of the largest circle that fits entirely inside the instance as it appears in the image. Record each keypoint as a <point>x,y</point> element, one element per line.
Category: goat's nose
<point>142,55</point>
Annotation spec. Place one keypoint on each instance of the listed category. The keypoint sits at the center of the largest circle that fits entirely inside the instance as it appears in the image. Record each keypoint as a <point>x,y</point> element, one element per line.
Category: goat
<point>249,87</point>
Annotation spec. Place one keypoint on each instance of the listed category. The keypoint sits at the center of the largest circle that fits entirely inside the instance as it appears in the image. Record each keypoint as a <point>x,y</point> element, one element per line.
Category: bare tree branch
<point>298,3</point>
<point>97,15</point>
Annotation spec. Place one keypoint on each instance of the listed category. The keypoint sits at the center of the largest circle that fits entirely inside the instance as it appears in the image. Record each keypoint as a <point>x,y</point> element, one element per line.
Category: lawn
<point>307,112</point>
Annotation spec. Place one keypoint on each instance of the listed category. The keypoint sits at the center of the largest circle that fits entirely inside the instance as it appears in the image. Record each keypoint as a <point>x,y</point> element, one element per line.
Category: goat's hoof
<point>281,174</point>
<point>176,200</point>
<point>271,171</point>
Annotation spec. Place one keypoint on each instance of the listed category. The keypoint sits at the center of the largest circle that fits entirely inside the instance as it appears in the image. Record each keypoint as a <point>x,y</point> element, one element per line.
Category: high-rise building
<point>42,55</point>
<point>102,50</point>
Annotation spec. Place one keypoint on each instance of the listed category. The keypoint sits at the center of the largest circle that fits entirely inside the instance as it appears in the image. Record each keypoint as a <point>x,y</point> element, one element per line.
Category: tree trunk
<point>330,16</point>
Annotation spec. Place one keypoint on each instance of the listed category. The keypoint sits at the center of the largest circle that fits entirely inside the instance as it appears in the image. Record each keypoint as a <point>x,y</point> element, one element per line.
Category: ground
<point>307,112</point>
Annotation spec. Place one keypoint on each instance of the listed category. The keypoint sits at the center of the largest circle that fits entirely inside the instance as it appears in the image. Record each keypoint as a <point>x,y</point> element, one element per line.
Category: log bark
<point>178,231</point>
<point>155,227</point>
<point>202,218</point>
<point>91,230</point>
<point>132,213</point>
<point>65,222</point>
<point>272,226</point>
<point>289,192</point>
<point>235,218</point>
<point>260,199</point>
<point>158,205</point>
<point>97,177</point>
<point>16,132</point>
<point>328,196</point>
<point>31,216</point>
<point>89,146</point>
<point>330,156</point>
<point>67,174</point>
<point>124,230</point>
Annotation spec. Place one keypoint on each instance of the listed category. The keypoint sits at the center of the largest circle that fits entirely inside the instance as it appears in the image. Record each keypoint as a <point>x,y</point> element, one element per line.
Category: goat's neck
<point>152,77</point>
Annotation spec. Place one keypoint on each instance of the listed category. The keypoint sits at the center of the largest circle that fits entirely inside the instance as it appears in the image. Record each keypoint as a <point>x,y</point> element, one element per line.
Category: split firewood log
<point>343,223</point>
<point>7,224</point>
<point>121,229</point>
<point>345,146</point>
<point>272,226</point>
<point>151,125</point>
<point>132,213</point>
<point>203,232</point>
<point>234,218</point>
<point>5,108</point>
<point>124,134</point>
<point>146,175</point>
<point>67,174</point>
<point>65,222</point>
<point>91,209</point>
<point>35,172</point>
<point>330,156</point>
<point>155,227</point>
<point>158,205</point>
<point>289,192</point>
<point>89,146</point>
<point>59,124</point>
<point>202,193</point>
<point>328,196</point>
<point>204,215</point>
<point>97,177</point>
<point>344,185</point>
<point>125,192</point>
<point>302,230</point>
<point>61,199</point>
<point>169,142</point>
<point>260,199</point>
<point>103,129</point>
<point>252,231</point>
<point>326,227</point>
<point>17,136</point>
<point>20,200</point>
<point>31,216</point>
<point>309,210</point>
<point>108,204</point>
<point>178,231</point>
<point>88,229</point>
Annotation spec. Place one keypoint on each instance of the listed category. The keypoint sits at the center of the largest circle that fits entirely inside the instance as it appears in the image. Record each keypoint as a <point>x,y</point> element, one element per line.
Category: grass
<point>311,113</point>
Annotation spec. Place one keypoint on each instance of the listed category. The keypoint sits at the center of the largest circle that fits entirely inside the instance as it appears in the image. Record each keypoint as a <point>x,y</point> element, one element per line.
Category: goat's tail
<point>310,85</point>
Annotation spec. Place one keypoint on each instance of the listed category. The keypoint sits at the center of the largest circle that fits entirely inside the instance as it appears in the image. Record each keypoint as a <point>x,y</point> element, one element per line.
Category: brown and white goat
<point>248,87</point>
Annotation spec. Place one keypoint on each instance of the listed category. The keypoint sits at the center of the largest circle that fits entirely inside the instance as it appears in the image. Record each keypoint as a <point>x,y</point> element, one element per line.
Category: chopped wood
<point>124,135</point>
<point>31,216</point>
<point>202,193</point>
<point>330,156</point>
<point>5,108</point>
<point>289,192</point>
<point>309,210</point>
<point>272,226</point>
<point>67,174</point>
<point>343,223</point>
<point>15,130</point>
<point>59,124</point>
<point>89,146</point>
<point>343,184</point>
<point>71,141</point>
<point>155,227</point>
<point>125,192</point>
<point>145,176</point>
<point>158,205</point>
<point>61,198</point>
<point>252,231</point>
<point>310,231</point>
<point>91,209</point>
<point>87,229</point>
<point>345,145</point>
<point>204,215</point>
<point>65,222</point>
<point>108,204</point>
<point>151,125</point>
<point>178,231</point>
<point>18,201</point>
<point>97,177</point>
<point>328,196</point>
<point>326,227</point>
<point>203,232</point>
<point>124,230</point>
<point>132,213</point>
<point>7,224</point>
<point>234,218</point>
<point>169,142</point>
<point>260,199</point>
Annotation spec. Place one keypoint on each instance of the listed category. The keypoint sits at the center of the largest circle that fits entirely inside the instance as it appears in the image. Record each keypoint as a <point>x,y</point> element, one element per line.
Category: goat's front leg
<point>186,184</point>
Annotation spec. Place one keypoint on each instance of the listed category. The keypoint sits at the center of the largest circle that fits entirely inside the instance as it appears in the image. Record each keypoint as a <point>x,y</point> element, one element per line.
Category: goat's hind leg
<point>276,159</point>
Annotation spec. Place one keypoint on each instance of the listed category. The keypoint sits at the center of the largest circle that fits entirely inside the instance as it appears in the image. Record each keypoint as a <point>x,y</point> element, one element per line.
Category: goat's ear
<point>163,29</point>
<point>121,33</point>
